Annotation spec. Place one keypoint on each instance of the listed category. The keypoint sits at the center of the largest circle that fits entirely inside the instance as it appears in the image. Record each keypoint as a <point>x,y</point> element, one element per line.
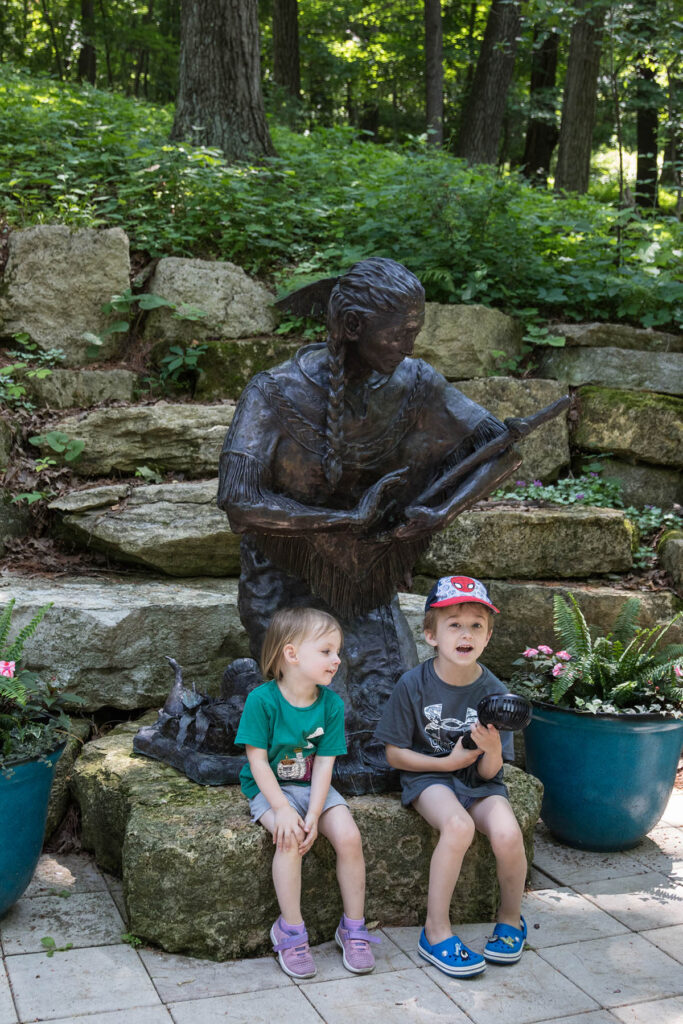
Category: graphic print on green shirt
<point>291,736</point>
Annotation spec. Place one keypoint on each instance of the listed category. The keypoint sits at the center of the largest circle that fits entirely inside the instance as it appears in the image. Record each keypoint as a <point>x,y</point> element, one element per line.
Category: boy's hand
<point>289,827</point>
<point>461,757</point>
<point>487,738</point>
<point>311,830</point>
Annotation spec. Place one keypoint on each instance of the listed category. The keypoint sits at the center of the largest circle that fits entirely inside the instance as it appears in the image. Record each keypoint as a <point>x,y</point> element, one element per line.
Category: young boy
<point>455,789</point>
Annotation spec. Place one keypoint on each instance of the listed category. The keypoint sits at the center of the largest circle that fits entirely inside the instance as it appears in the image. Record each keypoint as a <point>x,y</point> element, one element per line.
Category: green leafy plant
<point>152,476</point>
<point>132,940</point>
<point>30,497</point>
<point>33,719</point>
<point>625,671</point>
<point>58,441</point>
<point>179,365</point>
<point>51,947</point>
<point>34,363</point>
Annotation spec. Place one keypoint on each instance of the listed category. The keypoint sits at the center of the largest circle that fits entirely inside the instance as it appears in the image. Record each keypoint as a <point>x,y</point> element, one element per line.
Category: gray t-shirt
<point>425,714</point>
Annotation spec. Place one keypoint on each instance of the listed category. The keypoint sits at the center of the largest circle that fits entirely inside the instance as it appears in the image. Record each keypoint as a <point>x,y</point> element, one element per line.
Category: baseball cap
<point>458,590</point>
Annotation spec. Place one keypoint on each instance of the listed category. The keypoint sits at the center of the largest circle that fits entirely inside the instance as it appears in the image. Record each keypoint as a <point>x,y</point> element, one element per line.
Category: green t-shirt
<point>292,736</point>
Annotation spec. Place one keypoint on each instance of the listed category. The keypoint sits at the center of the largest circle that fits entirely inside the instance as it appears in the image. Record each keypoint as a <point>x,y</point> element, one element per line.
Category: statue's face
<point>385,340</point>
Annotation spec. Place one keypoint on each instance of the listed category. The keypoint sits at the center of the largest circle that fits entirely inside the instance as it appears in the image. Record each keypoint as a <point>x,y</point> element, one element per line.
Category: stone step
<point>634,425</point>
<point>172,436</point>
<point>616,368</point>
<point>623,336</point>
<point>178,529</point>
<point>197,873</point>
<point>81,389</point>
<point>106,637</point>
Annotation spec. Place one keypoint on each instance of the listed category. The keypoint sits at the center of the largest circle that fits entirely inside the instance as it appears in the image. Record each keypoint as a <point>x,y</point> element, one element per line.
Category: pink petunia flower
<point>564,655</point>
<point>679,671</point>
<point>7,669</point>
<point>558,669</point>
<point>544,649</point>
<point>530,652</point>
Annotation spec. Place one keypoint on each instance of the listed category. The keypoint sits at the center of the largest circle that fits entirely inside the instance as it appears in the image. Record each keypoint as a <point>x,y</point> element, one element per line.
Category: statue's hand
<point>419,520</point>
<point>368,510</point>
<point>518,428</point>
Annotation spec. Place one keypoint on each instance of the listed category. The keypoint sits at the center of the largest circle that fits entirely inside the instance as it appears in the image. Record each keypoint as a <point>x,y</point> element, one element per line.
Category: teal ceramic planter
<point>23,812</point>
<point>607,778</point>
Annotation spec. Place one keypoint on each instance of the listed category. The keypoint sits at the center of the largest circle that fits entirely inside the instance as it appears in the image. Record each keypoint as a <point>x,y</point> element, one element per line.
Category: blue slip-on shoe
<point>506,944</point>
<point>451,956</point>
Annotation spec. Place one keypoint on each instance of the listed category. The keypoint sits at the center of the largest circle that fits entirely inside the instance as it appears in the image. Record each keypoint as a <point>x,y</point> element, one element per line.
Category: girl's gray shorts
<point>298,797</point>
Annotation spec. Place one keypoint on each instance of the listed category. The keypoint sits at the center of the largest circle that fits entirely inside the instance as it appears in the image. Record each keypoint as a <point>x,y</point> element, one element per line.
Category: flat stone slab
<point>172,436</point>
<point>226,367</point>
<point>176,528</point>
<point>235,306</point>
<point>197,873</point>
<point>81,389</point>
<point>643,484</point>
<point>544,452</point>
<point>106,639</point>
<point>616,368</point>
<point>459,341</point>
<point>600,335</point>
<point>631,424</point>
<point>494,541</point>
<point>56,281</point>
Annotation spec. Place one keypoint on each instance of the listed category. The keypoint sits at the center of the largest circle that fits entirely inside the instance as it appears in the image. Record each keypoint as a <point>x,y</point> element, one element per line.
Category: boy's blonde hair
<point>292,626</point>
<point>432,614</point>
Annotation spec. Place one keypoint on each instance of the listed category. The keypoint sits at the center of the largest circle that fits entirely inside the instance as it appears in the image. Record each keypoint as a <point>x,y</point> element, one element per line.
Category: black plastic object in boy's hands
<point>507,711</point>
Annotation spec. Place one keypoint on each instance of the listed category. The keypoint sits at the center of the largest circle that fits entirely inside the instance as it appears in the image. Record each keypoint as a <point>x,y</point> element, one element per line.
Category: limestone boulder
<point>197,874</point>
<point>544,452</point>
<point>632,425</point>
<point>644,485</point>
<point>175,528</point>
<point>227,366</point>
<point>172,437</point>
<point>107,639</point>
<point>460,341</point>
<point>599,335</point>
<point>616,368</point>
<point>233,304</point>
<point>56,281</point>
<point>498,541</point>
<point>670,551</point>
<point>81,389</point>
<point>526,614</point>
<point>60,794</point>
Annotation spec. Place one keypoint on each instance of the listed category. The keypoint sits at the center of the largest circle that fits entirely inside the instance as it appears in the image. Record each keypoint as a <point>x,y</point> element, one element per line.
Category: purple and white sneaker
<point>354,941</point>
<point>293,952</point>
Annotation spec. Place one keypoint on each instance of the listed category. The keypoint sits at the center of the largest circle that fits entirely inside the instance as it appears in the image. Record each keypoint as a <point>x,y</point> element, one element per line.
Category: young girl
<point>293,728</point>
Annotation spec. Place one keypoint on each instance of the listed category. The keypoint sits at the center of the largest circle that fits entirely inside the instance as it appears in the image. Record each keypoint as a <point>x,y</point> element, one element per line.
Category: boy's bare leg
<point>440,807</point>
<point>494,816</point>
<point>286,875</point>
<point>337,825</point>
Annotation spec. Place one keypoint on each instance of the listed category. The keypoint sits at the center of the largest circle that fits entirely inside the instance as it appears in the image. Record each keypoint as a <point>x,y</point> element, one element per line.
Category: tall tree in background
<point>578,103</point>
<point>220,102</point>
<point>286,72</point>
<point>647,99</point>
<point>484,109</point>
<point>434,71</point>
<point>542,132</point>
<point>87,59</point>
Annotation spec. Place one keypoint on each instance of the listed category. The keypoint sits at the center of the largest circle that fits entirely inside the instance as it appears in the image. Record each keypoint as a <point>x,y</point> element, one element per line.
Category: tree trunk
<point>647,123</point>
<point>87,58</point>
<point>484,109</point>
<point>219,92</point>
<point>542,132</point>
<point>286,46</point>
<point>434,71</point>
<point>578,104</point>
<point>672,166</point>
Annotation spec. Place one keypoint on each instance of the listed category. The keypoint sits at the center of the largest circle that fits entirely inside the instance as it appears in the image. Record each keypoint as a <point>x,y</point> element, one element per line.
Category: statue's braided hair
<point>369,288</point>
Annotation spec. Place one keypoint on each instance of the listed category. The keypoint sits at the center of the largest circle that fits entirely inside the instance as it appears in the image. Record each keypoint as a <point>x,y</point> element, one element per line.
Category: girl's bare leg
<point>439,806</point>
<point>337,825</point>
<point>286,875</point>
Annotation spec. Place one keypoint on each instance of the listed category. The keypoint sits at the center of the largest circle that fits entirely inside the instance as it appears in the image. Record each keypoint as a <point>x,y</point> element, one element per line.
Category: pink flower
<point>564,655</point>
<point>558,669</point>
<point>544,649</point>
<point>679,671</point>
<point>7,669</point>
<point>530,652</point>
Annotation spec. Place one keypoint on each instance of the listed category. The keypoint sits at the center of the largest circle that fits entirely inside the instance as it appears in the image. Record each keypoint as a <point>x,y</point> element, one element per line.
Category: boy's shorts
<point>298,797</point>
<point>412,787</point>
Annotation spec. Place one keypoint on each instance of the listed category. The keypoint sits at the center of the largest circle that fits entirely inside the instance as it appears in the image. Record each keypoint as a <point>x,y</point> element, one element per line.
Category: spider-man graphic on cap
<point>464,583</point>
<point>458,590</point>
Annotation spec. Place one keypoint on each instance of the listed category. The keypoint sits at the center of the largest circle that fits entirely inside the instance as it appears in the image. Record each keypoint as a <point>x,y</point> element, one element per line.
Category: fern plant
<point>33,720</point>
<point>625,671</point>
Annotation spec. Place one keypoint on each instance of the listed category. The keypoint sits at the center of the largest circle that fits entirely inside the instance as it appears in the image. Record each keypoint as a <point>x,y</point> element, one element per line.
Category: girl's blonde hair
<point>292,626</point>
